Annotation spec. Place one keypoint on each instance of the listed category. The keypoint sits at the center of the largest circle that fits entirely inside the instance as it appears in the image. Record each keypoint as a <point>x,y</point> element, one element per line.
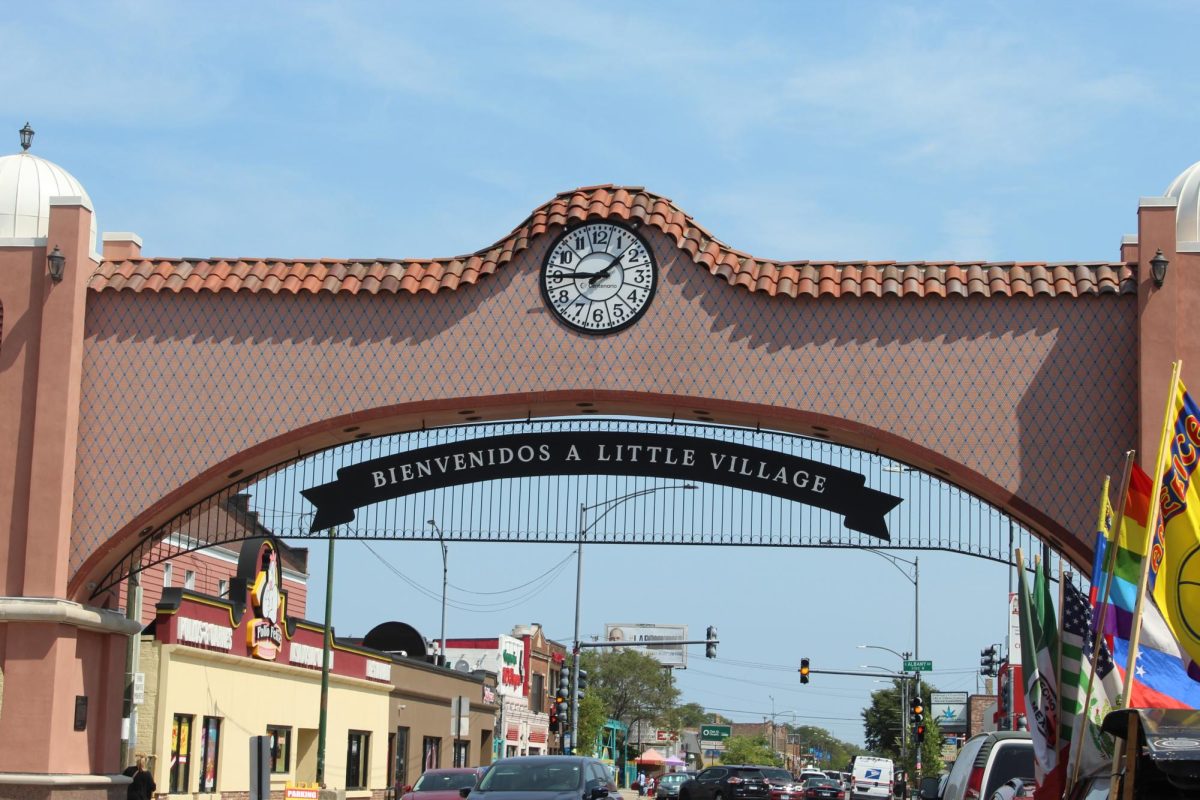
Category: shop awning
<point>650,756</point>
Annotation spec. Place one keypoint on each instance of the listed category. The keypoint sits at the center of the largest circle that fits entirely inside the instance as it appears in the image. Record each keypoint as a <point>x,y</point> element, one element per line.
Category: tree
<point>749,750</point>
<point>634,687</point>
<point>688,715</point>
<point>592,716</point>
<point>811,737</point>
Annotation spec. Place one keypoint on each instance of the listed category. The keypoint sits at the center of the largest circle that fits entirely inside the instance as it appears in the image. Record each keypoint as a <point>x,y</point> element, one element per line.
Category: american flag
<point>1078,620</point>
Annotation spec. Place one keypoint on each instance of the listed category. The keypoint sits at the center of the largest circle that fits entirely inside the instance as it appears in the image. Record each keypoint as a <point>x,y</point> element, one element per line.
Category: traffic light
<point>710,646</point>
<point>804,670</point>
<point>582,681</point>
<point>559,712</point>
<point>989,662</point>
<point>918,712</point>
<point>554,719</point>
<point>920,733</point>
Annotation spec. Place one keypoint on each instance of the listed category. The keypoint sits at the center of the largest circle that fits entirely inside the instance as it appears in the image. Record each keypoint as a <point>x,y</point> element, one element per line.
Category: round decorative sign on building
<point>599,277</point>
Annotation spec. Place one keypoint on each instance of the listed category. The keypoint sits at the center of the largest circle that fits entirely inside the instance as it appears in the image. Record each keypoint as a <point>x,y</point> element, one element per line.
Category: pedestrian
<point>641,779</point>
<point>142,787</point>
<point>650,784</point>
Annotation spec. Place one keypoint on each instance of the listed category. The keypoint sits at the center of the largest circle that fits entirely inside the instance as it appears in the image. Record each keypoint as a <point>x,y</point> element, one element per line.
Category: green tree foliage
<point>749,750</point>
<point>688,715</point>
<point>592,716</point>
<point>634,687</point>
<point>814,738</point>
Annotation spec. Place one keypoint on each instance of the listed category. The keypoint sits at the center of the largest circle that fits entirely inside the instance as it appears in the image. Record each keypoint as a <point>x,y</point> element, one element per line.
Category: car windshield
<point>818,783</point>
<point>532,776</point>
<point>777,774</point>
<point>434,781</point>
<point>674,777</point>
<point>749,773</point>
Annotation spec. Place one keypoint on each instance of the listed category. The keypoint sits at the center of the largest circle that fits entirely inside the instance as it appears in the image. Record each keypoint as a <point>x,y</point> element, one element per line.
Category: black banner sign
<point>686,458</point>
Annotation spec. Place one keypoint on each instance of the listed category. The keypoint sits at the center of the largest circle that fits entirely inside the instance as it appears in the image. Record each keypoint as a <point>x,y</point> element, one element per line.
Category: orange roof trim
<point>629,204</point>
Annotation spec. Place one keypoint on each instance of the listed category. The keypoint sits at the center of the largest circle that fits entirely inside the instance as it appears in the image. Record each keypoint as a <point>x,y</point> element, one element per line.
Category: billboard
<point>644,635</point>
<point>950,711</point>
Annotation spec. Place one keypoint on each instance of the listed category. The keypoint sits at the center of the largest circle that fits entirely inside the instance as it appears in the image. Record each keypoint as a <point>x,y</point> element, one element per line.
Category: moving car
<point>668,785</point>
<point>543,778</point>
<point>823,789</point>
<point>727,782</point>
<point>985,762</point>
<point>872,778</point>
<point>441,784</point>
<point>784,785</point>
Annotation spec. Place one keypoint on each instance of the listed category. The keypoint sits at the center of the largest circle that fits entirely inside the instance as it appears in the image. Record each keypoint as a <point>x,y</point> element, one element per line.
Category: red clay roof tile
<point>632,204</point>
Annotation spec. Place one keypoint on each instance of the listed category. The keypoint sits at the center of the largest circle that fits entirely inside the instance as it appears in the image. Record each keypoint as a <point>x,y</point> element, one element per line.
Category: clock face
<point>599,277</point>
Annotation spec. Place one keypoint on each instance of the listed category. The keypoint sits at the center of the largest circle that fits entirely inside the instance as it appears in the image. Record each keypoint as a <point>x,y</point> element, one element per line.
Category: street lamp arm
<point>895,561</point>
<point>616,501</point>
<point>900,656</point>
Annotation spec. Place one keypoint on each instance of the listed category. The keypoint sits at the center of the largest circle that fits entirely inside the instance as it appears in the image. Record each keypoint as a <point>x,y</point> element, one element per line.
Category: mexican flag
<point>1039,662</point>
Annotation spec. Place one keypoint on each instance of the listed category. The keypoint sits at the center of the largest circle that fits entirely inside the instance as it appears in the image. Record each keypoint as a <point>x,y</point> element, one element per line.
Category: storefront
<point>217,672</point>
<point>424,729</point>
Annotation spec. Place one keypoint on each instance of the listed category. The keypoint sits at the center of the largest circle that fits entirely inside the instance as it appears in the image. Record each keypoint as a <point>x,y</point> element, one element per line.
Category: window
<point>401,757</point>
<point>356,759</point>
<point>181,741</point>
<point>222,588</point>
<point>210,748</point>
<point>168,572</point>
<point>537,693</point>
<point>189,579</point>
<point>281,748</point>
<point>462,753</point>
<point>431,753</point>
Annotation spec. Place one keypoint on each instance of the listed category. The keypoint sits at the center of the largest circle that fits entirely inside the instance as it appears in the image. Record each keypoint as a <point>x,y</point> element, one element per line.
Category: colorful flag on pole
<point>1162,678</point>
<point>1175,552</point>
<point>1092,748</point>
<point>1039,653</point>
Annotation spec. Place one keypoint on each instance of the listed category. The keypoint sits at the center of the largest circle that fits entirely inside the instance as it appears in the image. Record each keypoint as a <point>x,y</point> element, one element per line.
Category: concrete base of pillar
<point>31,786</point>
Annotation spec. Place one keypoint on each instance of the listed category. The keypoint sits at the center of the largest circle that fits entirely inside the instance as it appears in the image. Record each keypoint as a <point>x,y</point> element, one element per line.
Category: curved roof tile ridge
<point>632,205</point>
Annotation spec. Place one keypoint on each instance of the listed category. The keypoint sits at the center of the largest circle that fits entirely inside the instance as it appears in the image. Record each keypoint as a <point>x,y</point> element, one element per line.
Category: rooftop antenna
<point>26,136</point>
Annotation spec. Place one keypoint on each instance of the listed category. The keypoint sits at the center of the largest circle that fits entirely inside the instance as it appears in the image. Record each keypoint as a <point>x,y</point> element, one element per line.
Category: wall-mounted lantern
<point>58,263</point>
<point>1158,268</point>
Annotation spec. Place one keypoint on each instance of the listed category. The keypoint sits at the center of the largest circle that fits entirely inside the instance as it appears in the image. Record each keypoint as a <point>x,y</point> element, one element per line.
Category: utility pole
<point>326,646</point>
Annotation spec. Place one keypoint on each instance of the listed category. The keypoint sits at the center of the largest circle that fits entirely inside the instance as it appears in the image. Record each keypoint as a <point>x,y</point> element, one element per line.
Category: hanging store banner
<point>684,458</point>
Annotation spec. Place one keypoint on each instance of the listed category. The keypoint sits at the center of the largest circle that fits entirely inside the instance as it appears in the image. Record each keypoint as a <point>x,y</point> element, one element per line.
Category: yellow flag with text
<point>1175,552</point>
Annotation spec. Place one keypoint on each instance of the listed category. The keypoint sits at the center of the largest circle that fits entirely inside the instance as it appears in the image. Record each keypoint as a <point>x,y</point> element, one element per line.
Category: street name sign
<point>918,666</point>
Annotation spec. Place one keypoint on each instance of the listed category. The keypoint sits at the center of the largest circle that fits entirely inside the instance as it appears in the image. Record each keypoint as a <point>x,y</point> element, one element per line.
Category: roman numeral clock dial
<point>599,277</point>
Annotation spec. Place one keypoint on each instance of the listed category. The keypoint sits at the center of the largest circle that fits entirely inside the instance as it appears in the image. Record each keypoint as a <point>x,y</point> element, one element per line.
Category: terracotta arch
<point>415,416</point>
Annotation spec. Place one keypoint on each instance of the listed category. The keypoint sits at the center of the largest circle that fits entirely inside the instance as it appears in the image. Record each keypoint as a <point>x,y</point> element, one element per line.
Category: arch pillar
<point>52,651</point>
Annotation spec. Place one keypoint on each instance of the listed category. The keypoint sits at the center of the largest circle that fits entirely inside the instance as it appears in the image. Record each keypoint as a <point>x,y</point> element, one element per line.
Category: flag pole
<point>1110,562</point>
<point>1135,634</point>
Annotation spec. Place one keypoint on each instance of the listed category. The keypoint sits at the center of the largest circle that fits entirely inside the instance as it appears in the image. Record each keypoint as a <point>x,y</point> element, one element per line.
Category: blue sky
<point>1000,131</point>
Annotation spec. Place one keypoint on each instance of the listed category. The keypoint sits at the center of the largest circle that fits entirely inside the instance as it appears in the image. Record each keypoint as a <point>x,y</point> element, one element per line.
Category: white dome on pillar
<point>1186,191</point>
<point>26,185</point>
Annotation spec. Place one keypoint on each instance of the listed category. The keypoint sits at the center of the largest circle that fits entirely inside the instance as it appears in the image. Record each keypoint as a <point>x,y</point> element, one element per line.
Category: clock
<point>599,277</point>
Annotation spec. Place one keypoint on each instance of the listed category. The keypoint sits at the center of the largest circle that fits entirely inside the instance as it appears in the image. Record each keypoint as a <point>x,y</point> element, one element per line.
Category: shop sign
<point>264,634</point>
<point>204,634</point>
<point>379,670</point>
<point>305,655</point>
<point>301,793</point>
<point>633,453</point>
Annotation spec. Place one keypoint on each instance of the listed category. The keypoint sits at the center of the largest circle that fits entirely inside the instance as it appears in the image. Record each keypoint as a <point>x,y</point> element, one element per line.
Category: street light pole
<point>326,646</point>
<point>445,575</point>
<point>583,529</point>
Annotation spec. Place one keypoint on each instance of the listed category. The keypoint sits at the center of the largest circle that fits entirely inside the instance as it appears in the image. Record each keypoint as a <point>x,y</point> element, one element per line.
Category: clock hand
<point>604,272</point>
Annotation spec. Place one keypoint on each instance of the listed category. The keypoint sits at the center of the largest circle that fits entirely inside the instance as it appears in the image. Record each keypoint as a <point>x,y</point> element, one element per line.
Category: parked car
<point>784,785</point>
<point>985,762</point>
<point>441,784</point>
<point>727,782</point>
<point>544,778</point>
<point>823,789</point>
<point>668,785</point>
